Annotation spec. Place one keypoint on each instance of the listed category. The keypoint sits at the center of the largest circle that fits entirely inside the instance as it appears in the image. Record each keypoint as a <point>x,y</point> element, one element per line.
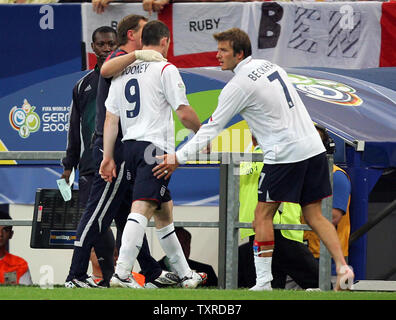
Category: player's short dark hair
<point>130,22</point>
<point>103,29</point>
<point>239,40</point>
<point>153,32</point>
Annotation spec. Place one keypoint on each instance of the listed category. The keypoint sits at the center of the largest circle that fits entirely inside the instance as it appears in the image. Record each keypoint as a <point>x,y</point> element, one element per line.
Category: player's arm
<point>171,161</point>
<point>73,147</point>
<point>175,94</point>
<point>114,66</point>
<point>110,131</point>
<point>231,101</point>
<point>188,117</point>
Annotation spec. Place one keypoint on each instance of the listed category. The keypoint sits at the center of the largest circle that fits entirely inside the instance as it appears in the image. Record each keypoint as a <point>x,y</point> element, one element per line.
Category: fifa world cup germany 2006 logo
<point>326,90</point>
<point>24,120</point>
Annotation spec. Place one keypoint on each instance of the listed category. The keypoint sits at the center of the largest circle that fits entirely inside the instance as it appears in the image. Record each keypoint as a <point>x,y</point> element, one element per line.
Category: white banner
<point>340,35</point>
<point>298,34</point>
<point>194,24</point>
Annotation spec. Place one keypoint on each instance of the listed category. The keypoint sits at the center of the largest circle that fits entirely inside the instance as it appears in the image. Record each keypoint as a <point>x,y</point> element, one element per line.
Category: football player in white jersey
<point>142,97</point>
<point>295,169</point>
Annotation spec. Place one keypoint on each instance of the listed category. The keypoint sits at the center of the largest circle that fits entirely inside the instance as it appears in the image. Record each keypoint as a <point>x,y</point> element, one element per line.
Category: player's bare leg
<point>327,233</point>
<point>264,244</point>
<point>131,241</point>
<point>168,240</point>
<point>164,216</point>
<point>170,244</point>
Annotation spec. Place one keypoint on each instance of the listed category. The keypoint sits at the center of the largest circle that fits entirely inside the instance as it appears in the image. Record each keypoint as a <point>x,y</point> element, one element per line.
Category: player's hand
<point>66,175</point>
<point>167,167</point>
<point>149,55</point>
<point>107,170</point>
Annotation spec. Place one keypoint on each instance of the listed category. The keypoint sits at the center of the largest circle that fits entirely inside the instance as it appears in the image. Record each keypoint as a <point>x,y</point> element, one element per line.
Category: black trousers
<point>104,247</point>
<point>107,201</point>
<point>289,258</point>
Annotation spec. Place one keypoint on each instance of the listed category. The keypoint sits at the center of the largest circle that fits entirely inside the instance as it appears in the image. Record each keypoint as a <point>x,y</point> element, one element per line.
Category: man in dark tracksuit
<point>108,201</point>
<point>81,128</point>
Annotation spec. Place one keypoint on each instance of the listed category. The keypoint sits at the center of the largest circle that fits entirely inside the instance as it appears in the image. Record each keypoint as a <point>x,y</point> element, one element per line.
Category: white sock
<point>173,250</point>
<point>131,242</point>
<point>263,269</point>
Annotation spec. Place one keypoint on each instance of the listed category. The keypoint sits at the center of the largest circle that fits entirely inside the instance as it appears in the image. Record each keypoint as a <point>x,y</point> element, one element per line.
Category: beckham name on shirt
<point>263,69</point>
<point>137,68</point>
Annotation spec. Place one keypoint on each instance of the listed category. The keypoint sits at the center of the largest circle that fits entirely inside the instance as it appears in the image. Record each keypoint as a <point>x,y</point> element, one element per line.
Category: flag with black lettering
<point>291,34</point>
<point>342,35</point>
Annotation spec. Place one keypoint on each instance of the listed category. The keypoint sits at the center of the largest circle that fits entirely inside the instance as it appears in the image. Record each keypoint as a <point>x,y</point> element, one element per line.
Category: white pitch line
<point>203,201</point>
<point>8,200</point>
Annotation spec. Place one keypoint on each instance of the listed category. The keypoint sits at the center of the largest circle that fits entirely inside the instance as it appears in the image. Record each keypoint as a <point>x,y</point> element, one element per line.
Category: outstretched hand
<point>167,167</point>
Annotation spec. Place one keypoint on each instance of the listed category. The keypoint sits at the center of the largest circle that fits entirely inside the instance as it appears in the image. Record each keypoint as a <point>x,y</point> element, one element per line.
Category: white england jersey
<point>262,94</point>
<point>143,96</point>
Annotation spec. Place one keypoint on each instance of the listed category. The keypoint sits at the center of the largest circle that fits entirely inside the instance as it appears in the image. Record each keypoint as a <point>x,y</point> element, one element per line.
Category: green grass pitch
<point>61,293</point>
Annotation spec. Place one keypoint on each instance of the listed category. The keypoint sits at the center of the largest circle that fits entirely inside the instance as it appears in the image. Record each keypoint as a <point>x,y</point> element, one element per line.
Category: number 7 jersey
<point>143,96</point>
<point>262,94</point>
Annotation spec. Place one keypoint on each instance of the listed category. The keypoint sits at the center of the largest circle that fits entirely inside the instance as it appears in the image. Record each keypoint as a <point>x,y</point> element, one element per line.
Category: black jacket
<point>82,124</point>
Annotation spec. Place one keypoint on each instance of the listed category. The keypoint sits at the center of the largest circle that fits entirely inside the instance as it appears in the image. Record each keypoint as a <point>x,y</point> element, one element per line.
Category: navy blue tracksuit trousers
<point>107,201</point>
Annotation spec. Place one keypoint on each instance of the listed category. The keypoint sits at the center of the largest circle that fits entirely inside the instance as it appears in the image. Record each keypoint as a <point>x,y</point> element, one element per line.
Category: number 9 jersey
<point>143,96</point>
